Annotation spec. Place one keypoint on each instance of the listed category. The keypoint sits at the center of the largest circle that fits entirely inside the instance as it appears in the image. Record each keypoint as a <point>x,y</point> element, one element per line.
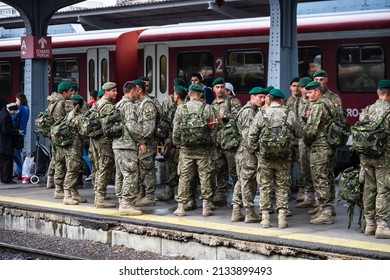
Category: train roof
<point>260,26</point>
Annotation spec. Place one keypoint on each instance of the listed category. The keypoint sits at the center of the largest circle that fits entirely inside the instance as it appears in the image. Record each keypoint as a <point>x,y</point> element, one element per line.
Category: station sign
<point>35,47</point>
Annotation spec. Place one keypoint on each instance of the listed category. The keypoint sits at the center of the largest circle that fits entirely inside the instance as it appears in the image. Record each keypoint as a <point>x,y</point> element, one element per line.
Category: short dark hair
<point>93,93</point>
<point>198,75</point>
<point>274,98</point>
<point>128,86</point>
<point>143,78</point>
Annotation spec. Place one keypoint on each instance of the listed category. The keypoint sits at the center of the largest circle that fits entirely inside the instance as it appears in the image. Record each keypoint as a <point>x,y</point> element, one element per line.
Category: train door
<point>156,69</point>
<point>97,68</point>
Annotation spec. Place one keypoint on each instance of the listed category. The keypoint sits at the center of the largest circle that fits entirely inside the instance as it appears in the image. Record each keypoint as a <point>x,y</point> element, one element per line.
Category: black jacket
<point>3,103</point>
<point>7,133</point>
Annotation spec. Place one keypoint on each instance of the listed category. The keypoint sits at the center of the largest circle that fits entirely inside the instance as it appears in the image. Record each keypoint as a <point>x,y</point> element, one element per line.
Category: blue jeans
<point>86,159</point>
<point>18,161</point>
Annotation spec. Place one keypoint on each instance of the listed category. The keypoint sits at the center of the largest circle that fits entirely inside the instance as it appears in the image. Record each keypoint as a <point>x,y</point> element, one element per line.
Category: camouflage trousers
<point>295,160</point>
<point>147,174</point>
<point>274,172</point>
<point>67,167</point>
<point>246,186</point>
<point>51,167</point>
<point>172,162</point>
<point>187,162</point>
<point>126,176</point>
<point>103,157</point>
<point>320,167</point>
<point>304,167</point>
<point>224,165</point>
<point>332,168</point>
<point>376,194</point>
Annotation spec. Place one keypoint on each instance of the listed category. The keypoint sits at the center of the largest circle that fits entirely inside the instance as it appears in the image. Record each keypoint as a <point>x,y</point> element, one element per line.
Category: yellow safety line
<point>284,234</point>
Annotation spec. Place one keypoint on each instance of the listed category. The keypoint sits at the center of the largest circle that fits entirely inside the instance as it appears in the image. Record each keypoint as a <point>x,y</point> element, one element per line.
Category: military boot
<point>237,216</point>
<point>206,209</point>
<point>382,230</point>
<point>314,210</point>
<point>180,211</point>
<point>370,227</point>
<point>251,216</point>
<point>148,200</point>
<point>50,182</point>
<point>282,222</point>
<point>265,223</point>
<point>68,200</point>
<point>101,202</point>
<point>300,195</point>
<point>220,199</point>
<point>167,194</point>
<point>309,202</point>
<point>76,196</point>
<point>190,205</point>
<point>59,192</point>
<point>325,217</point>
<point>126,209</point>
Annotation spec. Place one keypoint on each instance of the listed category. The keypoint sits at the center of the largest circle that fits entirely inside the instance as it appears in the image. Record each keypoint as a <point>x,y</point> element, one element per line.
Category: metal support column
<point>283,46</point>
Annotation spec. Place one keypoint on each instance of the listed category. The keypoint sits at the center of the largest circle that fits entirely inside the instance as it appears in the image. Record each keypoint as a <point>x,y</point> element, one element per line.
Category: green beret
<point>312,85</point>
<point>179,82</point>
<point>320,73</point>
<point>384,84</point>
<point>277,93</point>
<point>77,97</point>
<point>304,81</point>
<point>109,86</point>
<point>100,93</point>
<point>294,80</point>
<point>218,81</point>
<point>268,89</point>
<point>195,87</point>
<point>258,90</point>
<point>64,86</point>
<point>75,87</point>
<point>180,89</point>
<point>139,82</point>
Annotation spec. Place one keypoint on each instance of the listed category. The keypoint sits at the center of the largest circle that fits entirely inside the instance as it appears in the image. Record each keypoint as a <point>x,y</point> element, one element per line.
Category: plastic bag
<point>27,169</point>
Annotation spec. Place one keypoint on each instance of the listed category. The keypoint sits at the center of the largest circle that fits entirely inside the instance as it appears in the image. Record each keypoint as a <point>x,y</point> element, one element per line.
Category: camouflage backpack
<point>60,133</point>
<point>369,137</point>
<point>351,190</point>
<point>275,140</point>
<point>194,129</point>
<point>112,124</point>
<point>45,121</point>
<point>163,124</point>
<point>230,135</point>
<point>90,124</point>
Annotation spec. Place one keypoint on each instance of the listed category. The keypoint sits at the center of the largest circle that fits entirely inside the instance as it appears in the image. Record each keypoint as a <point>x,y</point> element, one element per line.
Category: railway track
<point>36,253</point>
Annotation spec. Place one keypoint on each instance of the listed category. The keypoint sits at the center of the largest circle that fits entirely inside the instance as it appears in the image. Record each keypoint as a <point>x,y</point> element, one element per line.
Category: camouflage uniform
<point>147,125</point>
<point>194,155</point>
<point>103,155</point>
<point>224,161</point>
<point>274,169</point>
<point>376,195</point>
<point>126,151</point>
<point>246,161</point>
<point>320,152</point>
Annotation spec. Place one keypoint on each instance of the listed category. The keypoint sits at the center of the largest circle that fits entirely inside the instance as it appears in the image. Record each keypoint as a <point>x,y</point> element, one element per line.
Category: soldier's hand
<point>142,149</point>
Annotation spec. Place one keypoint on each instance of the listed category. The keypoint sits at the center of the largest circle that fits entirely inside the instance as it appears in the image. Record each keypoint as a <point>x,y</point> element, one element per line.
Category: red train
<point>352,47</point>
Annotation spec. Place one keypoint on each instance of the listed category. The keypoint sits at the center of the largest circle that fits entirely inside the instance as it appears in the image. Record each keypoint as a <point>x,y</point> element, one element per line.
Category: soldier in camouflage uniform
<point>322,77</point>
<point>227,110</point>
<point>196,154</point>
<point>126,152</point>
<point>292,103</point>
<point>147,113</point>
<point>60,105</point>
<point>103,155</point>
<point>245,189</point>
<point>69,158</point>
<point>170,152</point>
<point>376,171</point>
<point>320,152</point>
<point>304,162</point>
<point>276,168</point>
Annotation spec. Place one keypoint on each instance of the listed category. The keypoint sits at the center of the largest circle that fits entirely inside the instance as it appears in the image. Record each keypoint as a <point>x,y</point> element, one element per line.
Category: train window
<point>149,72</point>
<point>245,69</point>
<point>21,76</point>
<point>309,61</point>
<point>103,72</point>
<point>5,79</point>
<point>91,75</point>
<point>163,74</point>
<point>66,70</point>
<point>360,68</point>
<point>201,62</point>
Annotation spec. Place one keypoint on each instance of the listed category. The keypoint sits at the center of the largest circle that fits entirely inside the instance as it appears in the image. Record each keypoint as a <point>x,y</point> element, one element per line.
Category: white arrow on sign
<point>42,42</point>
